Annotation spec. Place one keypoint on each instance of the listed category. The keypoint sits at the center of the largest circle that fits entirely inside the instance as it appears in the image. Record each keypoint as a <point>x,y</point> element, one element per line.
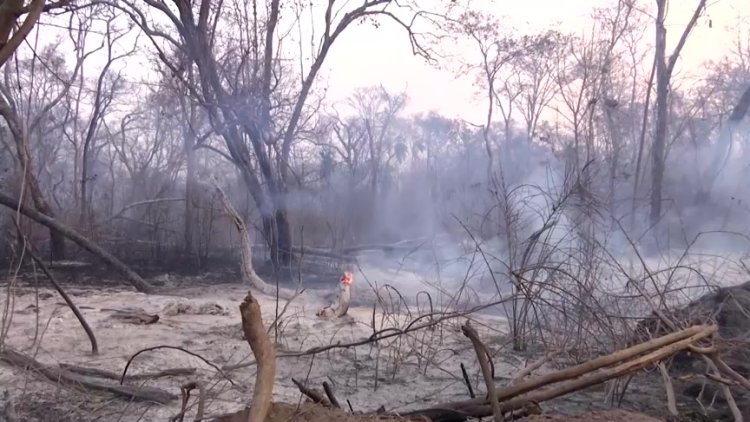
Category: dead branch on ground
<point>433,319</point>
<point>311,393</point>
<point>149,349</point>
<point>137,393</point>
<point>329,392</point>
<point>580,376</point>
<point>139,283</point>
<point>135,316</point>
<point>68,301</point>
<point>525,372</point>
<point>101,373</point>
<point>669,386</point>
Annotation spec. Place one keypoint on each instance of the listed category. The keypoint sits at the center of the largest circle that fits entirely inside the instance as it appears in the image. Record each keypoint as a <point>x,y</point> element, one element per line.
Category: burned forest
<point>374,210</point>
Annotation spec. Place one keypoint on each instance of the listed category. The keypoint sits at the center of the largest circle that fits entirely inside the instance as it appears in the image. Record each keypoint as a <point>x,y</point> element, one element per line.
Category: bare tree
<point>533,77</point>
<point>23,119</point>
<point>378,109</point>
<point>664,69</point>
<point>238,76</point>
<point>107,84</point>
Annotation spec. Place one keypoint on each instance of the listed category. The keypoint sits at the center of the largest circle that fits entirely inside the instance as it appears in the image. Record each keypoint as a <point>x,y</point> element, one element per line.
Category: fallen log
<point>135,316</point>
<point>312,394</point>
<point>139,283</point>
<point>59,375</point>
<point>575,378</point>
<point>101,373</point>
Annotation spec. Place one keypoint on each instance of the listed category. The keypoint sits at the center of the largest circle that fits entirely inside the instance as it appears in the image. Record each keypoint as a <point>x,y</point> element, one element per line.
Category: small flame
<point>347,279</point>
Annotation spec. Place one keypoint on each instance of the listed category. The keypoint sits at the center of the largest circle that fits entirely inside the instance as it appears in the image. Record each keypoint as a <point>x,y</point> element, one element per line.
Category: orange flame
<point>347,279</point>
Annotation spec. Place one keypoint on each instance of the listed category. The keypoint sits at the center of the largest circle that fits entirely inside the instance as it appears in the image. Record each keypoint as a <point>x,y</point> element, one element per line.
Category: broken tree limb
<point>669,387</point>
<point>183,350</point>
<point>597,363</point>
<point>467,381</point>
<point>68,301</point>
<point>483,357</point>
<point>260,344</point>
<point>135,316</point>
<point>185,390</point>
<point>532,367</point>
<point>581,376</point>
<point>101,373</point>
<point>311,393</point>
<point>322,253</point>
<point>137,393</point>
<point>248,271</point>
<point>603,375</point>
<point>343,299</point>
<point>139,283</point>
<point>332,397</point>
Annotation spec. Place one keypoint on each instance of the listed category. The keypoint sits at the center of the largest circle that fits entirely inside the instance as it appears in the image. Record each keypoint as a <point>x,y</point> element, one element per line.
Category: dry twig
<point>483,356</point>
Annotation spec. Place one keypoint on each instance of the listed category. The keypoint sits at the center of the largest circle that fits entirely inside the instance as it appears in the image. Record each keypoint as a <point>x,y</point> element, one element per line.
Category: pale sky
<point>367,56</point>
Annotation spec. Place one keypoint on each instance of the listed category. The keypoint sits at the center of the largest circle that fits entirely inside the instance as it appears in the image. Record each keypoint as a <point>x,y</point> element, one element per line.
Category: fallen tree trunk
<point>599,376</point>
<point>573,379</point>
<point>102,373</point>
<point>140,284</point>
<point>322,253</point>
<point>137,393</point>
<point>587,367</point>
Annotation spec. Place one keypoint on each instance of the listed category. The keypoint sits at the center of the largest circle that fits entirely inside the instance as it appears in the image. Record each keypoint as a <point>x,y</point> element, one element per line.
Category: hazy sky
<point>365,56</point>
<point>368,56</point>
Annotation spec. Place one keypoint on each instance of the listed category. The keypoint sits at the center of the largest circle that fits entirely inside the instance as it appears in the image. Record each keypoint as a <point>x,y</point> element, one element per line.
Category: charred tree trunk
<point>660,135</point>
<point>57,240</point>
<point>281,250</point>
<point>190,184</point>
<point>664,69</point>
<point>23,153</point>
<point>140,284</point>
<point>248,271</point>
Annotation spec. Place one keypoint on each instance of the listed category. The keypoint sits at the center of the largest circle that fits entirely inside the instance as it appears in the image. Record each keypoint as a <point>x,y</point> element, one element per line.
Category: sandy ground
<point>418,369</point>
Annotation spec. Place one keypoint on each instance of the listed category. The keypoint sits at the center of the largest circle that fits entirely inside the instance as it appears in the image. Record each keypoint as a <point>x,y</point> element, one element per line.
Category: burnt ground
<point>45,401</point>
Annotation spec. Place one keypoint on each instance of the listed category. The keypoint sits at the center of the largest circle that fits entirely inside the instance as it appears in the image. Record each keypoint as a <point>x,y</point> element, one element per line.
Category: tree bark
<point>8,15</point>
<point>23,153</point>
<point>190,188</point>
<point>660,135</point>
<point>140,284</point>
<point>260,344</point>
<point>664,69</point>
<point>248,271</point>
<point>281,251</point>
<point>68,301</point>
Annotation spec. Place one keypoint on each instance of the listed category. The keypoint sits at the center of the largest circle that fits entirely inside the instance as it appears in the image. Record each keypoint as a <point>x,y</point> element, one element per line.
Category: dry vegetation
<point>174,242</point>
